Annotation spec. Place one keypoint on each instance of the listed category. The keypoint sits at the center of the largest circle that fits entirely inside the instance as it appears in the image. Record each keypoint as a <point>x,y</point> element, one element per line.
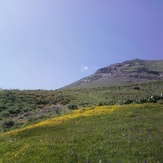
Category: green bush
<point>128,102</point>
<point>5,114</point>
<point>14,110</point>
<point>8,123</point>
<point>72,107</point>
<point>2,107</point>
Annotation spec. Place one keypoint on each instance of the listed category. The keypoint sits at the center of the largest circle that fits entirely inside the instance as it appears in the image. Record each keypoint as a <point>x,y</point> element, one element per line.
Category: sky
<point>47,44</point>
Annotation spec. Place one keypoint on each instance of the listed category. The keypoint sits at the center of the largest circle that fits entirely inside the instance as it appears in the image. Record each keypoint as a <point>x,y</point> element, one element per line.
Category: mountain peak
<point>128,72</point>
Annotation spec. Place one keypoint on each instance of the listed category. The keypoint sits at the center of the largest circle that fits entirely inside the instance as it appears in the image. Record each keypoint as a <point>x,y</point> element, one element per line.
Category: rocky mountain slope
<point>127,72</point>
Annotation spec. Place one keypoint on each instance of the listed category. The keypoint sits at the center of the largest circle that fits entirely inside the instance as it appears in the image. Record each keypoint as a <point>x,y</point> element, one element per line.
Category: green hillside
<point>119,133</point>
<point>19,108</point>
<point>115,115</point>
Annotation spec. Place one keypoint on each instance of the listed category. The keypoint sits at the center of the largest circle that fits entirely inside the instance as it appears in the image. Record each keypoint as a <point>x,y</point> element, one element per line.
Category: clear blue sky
<point>47,44</point>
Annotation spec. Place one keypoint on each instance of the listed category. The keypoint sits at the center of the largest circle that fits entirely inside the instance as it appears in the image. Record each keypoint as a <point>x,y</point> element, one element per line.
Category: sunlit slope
<point>29,106</point>
<point>115,133</point>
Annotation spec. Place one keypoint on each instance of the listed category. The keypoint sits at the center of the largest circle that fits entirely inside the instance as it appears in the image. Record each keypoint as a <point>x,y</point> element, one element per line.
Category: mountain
<point>128,72</point>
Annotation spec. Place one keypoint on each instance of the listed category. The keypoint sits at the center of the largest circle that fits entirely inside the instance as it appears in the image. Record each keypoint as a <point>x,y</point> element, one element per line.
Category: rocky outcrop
<point>127,72</point>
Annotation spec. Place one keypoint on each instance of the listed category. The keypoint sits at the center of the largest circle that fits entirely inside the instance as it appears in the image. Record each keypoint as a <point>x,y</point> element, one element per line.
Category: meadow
<point>118,133</point>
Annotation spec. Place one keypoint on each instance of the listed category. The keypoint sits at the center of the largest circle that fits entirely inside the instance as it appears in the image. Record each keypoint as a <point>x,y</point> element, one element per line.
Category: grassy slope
<point>89,97</point>
<point>25,107</point>
<point>113,133</point>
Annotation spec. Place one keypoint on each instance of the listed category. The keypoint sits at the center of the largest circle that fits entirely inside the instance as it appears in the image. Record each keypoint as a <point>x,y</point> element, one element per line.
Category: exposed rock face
<point>132,69</point>
<point>128,72</point>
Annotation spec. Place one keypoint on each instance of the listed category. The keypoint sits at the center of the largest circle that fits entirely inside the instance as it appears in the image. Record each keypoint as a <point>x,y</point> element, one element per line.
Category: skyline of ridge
<point>49,44</point>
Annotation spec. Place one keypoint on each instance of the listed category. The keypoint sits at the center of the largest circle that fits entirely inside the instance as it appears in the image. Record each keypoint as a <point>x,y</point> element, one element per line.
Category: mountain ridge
<point>124,73</point>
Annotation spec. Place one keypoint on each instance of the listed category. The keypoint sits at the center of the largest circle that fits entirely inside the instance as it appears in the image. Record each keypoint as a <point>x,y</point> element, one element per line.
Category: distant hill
<point>128,72</point>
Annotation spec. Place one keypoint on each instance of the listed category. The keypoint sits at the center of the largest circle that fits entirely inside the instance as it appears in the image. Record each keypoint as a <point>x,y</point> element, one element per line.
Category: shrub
<point>128,102</point>
<point>30,119</point>
<point>2,107</point>
<point>5,114</point>
<point>72,107</point>
<point>136,88</point>
<point>8,123</point>
<point>14,110</point>
<point>102,103</point>
<point>58,109</point>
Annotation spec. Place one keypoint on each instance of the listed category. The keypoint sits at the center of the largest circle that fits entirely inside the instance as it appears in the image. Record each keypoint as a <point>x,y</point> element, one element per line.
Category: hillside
<point>128,133</point>
<point>127,72</point>
<point>93,122</point>
<point>19,108</point>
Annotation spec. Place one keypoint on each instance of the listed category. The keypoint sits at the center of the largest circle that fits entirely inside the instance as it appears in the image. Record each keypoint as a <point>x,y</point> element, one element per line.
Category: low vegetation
<point>118,133</point>
<point>30,106</point>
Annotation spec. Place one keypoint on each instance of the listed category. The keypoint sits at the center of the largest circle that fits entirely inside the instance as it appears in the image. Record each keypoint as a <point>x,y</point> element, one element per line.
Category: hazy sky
<point>46,44</point>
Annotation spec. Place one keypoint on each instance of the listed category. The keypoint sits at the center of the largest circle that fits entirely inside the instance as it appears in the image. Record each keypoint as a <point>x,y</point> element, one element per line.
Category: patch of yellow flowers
<point>15,155</point>
<point>98,110</point>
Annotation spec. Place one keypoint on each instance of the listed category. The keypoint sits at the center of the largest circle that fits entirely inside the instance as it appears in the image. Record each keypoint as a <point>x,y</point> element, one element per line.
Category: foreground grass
<point>107,133</point>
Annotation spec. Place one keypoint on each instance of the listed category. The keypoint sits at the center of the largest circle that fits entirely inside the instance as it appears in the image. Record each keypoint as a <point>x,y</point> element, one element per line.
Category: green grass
<point>128,133</point>
<point>28,106</point>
